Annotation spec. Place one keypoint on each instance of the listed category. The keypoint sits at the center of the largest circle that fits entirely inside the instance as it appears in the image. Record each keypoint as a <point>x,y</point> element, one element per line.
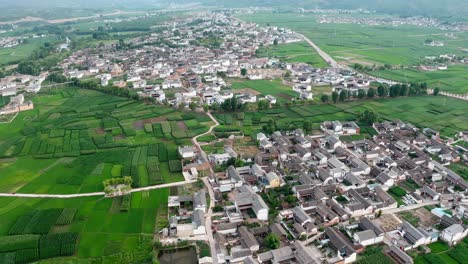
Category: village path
<point>77,195</point>
<point>209,231</point>
<point>141,189</point>
<point>453,95</point>
<point>195,139</point>
<point>408,207</point>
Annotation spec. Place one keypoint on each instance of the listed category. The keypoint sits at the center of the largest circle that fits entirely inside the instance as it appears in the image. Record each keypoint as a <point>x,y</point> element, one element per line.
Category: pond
<point>179,256</point>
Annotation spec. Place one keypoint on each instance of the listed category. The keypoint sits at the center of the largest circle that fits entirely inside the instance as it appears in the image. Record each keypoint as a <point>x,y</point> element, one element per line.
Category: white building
<point>186,152</point>
<point>453,234</point>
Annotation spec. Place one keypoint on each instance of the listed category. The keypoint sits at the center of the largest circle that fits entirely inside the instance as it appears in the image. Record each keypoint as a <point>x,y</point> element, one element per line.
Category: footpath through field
<point>77,195</point>
<point>141,189</point>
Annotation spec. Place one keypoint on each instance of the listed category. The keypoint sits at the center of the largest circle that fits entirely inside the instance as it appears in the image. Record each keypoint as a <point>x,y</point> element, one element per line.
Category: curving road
<point>195,139</point>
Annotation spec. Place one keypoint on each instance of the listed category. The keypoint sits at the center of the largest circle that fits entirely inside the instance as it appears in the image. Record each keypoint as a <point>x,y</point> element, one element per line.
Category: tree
<point>436,91</point>
<point>371,92</point>
<point>395,90</point>
<point>335,97</point>
<point>272,241</point>
<point>368,117</point>
<point>263,104</point>
<point>343,95</point>
<point>307,125</point>
<point>361,94</point>
<point>244,72</point>
<point>404,90</point>
<point>275,42</point>
<point>324,98</point>
<point>218,208</point>
<point>192,106</point>
<point>382,91</point>
<point>379,213</point>
<point>206,107</point>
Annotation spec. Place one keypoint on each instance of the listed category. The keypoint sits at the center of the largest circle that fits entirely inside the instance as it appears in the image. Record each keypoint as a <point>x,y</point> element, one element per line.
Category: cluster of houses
<point>16,104</point>
<point>182,63</point>
<point>14,84</point>
<point>335,195</point>
<point>183,68</point>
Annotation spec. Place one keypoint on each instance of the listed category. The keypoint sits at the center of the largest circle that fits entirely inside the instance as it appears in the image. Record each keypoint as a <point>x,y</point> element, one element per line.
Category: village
<point>302,197</point>
<point>317,199</point>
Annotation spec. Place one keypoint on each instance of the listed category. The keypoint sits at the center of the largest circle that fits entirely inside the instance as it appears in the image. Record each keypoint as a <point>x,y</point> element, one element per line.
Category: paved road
<point>409,207</point>
<point>322,54</point>
<point>209,232</point>
<point>456,96</point>
<point>334,64</point>
<point>67,196</point>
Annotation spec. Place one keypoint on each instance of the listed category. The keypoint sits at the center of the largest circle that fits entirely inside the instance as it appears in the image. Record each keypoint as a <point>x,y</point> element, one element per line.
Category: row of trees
<point>382,91</point>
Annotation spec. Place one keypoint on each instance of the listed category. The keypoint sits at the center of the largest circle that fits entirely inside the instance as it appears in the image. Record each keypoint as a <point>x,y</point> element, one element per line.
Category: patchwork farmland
<point>84,230</point>
<point>451,115</point>
<point>65,146</point>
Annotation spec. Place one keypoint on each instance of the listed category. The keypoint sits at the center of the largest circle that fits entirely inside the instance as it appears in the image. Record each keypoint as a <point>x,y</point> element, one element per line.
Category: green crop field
<point>75,138</point>
<point>441,253</point>
<point>274,87</point>
<point>369,45</point>
<point>293,52</point>
<point>454,79</point>
<point>22,51</point>
<point>91,229</point>
<point>445,114</point>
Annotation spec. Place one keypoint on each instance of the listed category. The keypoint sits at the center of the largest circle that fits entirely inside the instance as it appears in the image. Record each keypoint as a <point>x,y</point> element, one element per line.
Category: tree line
<point>382,91</point>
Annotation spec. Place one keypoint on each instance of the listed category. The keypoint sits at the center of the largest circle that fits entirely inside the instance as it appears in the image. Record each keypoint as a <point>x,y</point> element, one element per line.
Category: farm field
<point>66,146</point>
<point>22,51</point>
<point>441,253</point>
<point>454,79</point>
<point>369,45</point>
<point>282,92</point>
<point>445,114</point>
<point>293,52</point>
<point>100,230</point>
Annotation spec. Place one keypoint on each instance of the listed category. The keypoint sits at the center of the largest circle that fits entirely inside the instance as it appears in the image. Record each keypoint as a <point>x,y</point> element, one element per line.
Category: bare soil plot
<point>100,131</point>
<point>427,218</point>
<point>182,125</point>
<point>246,151</point>
<point>154,120</point>
<point>388,222</point>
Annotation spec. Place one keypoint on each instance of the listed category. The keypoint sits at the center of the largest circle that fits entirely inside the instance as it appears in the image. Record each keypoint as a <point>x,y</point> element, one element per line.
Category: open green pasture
<point>444,114</point>
<point>107,232</point>
<point>293,52</point>
<point>75,138</point>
